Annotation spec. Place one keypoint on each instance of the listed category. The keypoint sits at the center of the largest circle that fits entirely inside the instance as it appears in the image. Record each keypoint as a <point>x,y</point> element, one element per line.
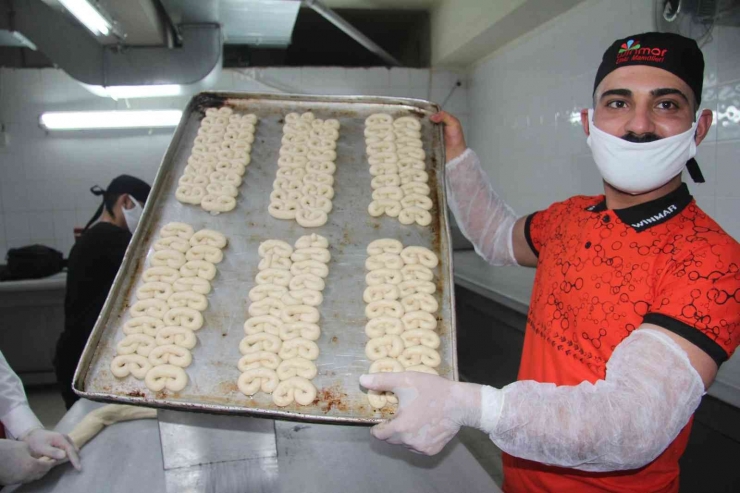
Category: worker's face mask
<point>133,215</point>
<point>637,168</point>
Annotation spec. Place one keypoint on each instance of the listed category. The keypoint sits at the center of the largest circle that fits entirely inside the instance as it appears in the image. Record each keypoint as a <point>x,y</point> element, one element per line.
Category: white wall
<point>45,177</point>
<point>524,97</point>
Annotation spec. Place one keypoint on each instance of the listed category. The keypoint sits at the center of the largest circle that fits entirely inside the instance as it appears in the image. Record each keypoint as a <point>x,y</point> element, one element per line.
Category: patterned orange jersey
<point>601,273</point>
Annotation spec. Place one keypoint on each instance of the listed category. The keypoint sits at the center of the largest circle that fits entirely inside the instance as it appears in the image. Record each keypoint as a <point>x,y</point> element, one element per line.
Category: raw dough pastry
<point>307,281</point>
<point>407,164</point>
<point>285,195</point>
<point>419,301</point>
<point>160,274</point>
<point>205,252</point>
<point>315,202</point>
<point>296,367</point>
<point>291,173</point>
<point>222,189</point>
<point>179,336</point>
<point>218,203</point>
<point>198,268</point>
<point>383,276</point>
<point>193,181</point>
<point>172,377</point>
<point>384,169</point>
<point>416,272</point>
<point>309,267</point>
<point>378,327</point>
<point>190,194</point>
<point>170,354</point>
<point>189,299</point>
<point>195,284</point>
<point>384,261</point>
<point>382,181</point>
<point>208,237</point>
<point>385,245</point>
<point>415,214</point>
<point>384,347</point>
<point>181,230</point>
<point>262,291</point>
<point>419,255</point>
<point>416,188</point>
<point>283,209</point>
<point>413,176</point>
<point>311,218</point>
<point>422,369</point>
<point>143,325</point>
<point>311,253</point>
<point>381,292</point>
<point>386,365</point>
<point>260,342</point>
<point>149,308</point>
<point>383,159</point>
<point>411,152</point>
<point>158,290</point>
<point>384,308</point>
<point>407,288</point>
<point>319,178</point>
<point>306,330</point>
<point>378,119</point>
<point>184,317</point>
<point>268,306</point>
<point>171,243</point>
<point>416,200</point>
<point>298,313</point>
<point>318,189</point>
<point>168,258</point>
<point>375,148</point>
<point>287,184</point>
<point>136,343</point>
<point>295,388</point>
<point>303,297</point>
<point>229,177</point>
<point>273,276</point>
<point>274,262</point>
<point>420,337</point>
<point>388,193</point>
<point>419,355</point>
<point>104,416</point>
<point>269,324</point>
<point>252,381</point>
<point>389,207</point>
<point>130,364</point>
<point>323,155</point>
<point>292,161</point>
<point>300,347</point>
<point>259,359</point>
<point>312,241</point>
<point>326,167</point>
<point>275,247</point>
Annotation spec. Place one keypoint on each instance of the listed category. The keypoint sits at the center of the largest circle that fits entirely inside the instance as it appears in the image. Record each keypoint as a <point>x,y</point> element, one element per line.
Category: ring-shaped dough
<point>413,255</point>
<point>130,364</point>
<point>252,381</point>
<point>259,359</point>
<point>274,262</point>
<point>309,267</point>
<point>415,200</point>
<point>198,268</point>
<point>297,367</point>
<point>205,252</point>
<point>415,214</point>
<point>318,189</point>
<point>413,176</point>
<point>378,119</point>
<point>417,355</point>
<point>383,276</point>
<point>172,377</point>
<point>157,290</point>
<point>303,297</point>
<point>273,276</point>
<point>263,323</point>
<point>262,291</point>
<point>385,245</point>
<point>171,243</point>
<point>384,308</point>
<point>306,330</point>
<point>190,194</point>
<point>188,299</point>
<point>299,313</point>
<point>386,365</point>
<point>384,347</point>
<point>312,241</point>
<point>419,302</point>
<point>384,261</point>
<point>143,325</point>
<point>208,237</point>
<point>391,208</point>
<point>181,230</point>
<point>275,247</point>
<point>407,122</point>
<point>299,347</point>
<point>193,180</point>
<point>268,306</point>
<point>170,354</point>
<point>382,181</point>
<point>260,342</point>
<point>168,258</point>
<point>184,317</point>
<point>149,308</point>
<point>136,343</point>
<point>179,336</point>
<point>378,327</point>
<point>283,209</point>
<point>423,337</point>
<point>416,272</point>
<point>307,281</point>
<point>195,284</point>
<point>388,193</point>
<point>222,189</point>
<point>407,288</point>
<point>381,292</point>
<point>311,253</point>
<point>315,202</point>
<point>326,167</point>
<point>416,188</point>
<point>295,388</point>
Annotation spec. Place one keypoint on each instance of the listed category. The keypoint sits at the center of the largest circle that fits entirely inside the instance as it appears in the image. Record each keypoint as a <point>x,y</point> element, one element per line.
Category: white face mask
<point>132,215</point>
<point>637,168</point>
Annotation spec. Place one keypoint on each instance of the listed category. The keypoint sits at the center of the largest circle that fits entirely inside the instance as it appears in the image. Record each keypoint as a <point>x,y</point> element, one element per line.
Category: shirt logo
<point>657,217</point>
<point>632,51</point>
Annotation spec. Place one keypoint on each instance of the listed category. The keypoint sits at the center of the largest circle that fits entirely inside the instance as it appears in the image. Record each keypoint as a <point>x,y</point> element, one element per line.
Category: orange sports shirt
<point>601,273</point>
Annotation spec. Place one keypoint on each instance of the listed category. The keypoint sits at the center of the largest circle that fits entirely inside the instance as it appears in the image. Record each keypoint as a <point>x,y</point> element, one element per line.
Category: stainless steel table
<point>311,458</point>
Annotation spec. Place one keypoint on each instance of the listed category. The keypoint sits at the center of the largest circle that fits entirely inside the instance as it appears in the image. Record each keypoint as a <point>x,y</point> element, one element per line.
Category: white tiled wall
<point>45,177</point>
<point>524,100</point>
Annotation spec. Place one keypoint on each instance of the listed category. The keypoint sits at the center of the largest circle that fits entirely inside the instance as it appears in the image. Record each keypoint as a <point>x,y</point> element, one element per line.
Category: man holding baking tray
<point>636,300</point>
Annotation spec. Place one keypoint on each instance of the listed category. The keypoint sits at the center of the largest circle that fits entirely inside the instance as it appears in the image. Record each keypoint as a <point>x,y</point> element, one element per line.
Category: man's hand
<point>18,465</point>
<point>45,443</point>
<point>454,138</point>
<point>431,409</point>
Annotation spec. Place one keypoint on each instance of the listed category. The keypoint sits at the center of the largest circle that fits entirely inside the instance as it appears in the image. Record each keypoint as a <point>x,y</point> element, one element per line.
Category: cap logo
<point>629,45</point>
<point>632,51</point>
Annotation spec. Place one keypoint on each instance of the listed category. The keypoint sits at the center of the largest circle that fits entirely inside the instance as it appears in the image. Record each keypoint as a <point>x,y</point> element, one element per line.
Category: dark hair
<point>110,199</point>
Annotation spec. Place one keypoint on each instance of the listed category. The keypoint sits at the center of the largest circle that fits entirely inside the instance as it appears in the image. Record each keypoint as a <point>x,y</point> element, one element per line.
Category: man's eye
<point>616,104</point>
<point>667,105</point>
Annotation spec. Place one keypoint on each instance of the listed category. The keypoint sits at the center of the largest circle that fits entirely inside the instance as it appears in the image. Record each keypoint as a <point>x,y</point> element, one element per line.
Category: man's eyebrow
<point>616,92</point>
<point>667,91</point>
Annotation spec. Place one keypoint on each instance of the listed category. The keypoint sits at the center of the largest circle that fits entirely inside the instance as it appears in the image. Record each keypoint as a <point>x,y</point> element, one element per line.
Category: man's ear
<point>703,125</point>
<point>584,122</point>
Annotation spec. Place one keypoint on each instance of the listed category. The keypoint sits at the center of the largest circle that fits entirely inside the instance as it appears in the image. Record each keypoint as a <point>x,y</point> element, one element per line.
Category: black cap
<point>674,53</point>
<point>677,54</point>
<point>131,185</point>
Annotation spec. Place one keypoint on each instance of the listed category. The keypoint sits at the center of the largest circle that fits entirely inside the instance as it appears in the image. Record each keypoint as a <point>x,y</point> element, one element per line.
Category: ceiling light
<point>88,15</point>
<point>131,92</point>
<point>88,120</point>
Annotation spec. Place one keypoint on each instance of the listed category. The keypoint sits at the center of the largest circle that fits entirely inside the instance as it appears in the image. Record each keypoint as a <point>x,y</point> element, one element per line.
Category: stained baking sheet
<point>213,373</point>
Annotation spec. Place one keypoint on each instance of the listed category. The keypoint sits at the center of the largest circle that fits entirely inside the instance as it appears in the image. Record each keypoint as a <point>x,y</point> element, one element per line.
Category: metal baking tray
<point>213,373</point>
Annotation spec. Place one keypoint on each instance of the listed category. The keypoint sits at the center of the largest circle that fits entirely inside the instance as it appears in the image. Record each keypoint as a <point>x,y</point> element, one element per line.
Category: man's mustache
<point>649,137</point>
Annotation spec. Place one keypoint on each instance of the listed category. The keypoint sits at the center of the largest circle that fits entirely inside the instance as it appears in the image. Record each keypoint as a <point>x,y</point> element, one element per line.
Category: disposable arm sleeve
<point>482,215</point>
<point>624,422</point>
<point>15,413</point>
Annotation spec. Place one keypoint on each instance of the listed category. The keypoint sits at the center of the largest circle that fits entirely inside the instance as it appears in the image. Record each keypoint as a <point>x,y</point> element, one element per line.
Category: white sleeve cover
<point>624,422</point>
<point>483,217</point>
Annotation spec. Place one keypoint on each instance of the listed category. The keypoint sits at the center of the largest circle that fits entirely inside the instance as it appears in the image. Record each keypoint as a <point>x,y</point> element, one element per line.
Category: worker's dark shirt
<point>91,268</point>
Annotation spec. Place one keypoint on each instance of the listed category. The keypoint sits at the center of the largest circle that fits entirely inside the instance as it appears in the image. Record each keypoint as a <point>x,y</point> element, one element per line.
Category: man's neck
<point>620,200</point>
<point>106,217</point>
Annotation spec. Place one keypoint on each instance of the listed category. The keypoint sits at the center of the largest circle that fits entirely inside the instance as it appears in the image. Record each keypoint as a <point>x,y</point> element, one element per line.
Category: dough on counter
<point>273,276</point>
<point>274,262</point>
<point>307,281</point>
<point>309,267</point>
<point>384,276</point>
<point>99,418</point>
<point>381,292</point>
<point>268,306</point>
<point>384,261</point>
<point>306,330</point>
<point>419,320</point>
<point>388,207</point>
<point>190,194</point>
<point>172,377</point>
<point>385,245</point>
<point>419,301</point>
<point>308,297</point>
<point>416,272</point>
<point>262,291</point>
<point>299,313</point>
<point>311,218</point>
<point>275,247</point>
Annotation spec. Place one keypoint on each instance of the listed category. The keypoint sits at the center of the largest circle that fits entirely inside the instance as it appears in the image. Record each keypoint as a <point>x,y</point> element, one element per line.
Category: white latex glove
<point>431,409</point>
<point>19,465</point>
<point>53,445</point>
